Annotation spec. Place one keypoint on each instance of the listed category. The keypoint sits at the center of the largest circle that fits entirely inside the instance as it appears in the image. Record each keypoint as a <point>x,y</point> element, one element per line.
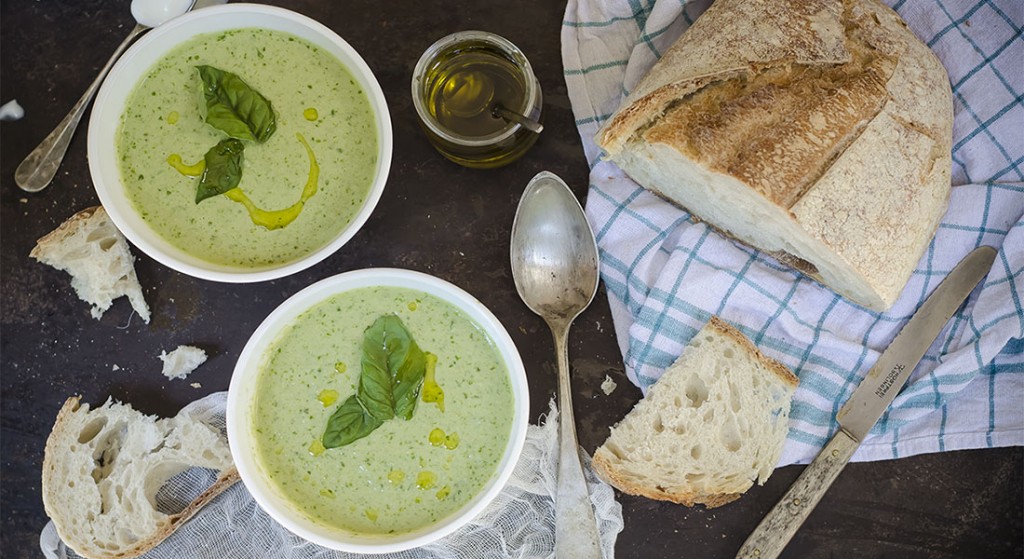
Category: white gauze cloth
<point>519,523</point>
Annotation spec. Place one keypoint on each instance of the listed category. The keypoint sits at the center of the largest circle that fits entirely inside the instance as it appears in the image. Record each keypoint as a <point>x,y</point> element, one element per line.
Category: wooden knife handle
<point>778,526</point>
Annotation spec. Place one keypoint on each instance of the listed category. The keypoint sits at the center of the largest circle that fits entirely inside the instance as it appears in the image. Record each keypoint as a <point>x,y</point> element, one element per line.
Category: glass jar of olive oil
<point>464,88</point>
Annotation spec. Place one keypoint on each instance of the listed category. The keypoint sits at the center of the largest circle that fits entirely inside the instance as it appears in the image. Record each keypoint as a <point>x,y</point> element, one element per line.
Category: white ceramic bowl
<point>110,103</point>
<point>241,394</point>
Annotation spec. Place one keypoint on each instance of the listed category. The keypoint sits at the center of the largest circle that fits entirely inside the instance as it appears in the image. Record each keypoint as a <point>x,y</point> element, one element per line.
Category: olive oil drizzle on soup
<point>313,94</point>
<point>405,475</point>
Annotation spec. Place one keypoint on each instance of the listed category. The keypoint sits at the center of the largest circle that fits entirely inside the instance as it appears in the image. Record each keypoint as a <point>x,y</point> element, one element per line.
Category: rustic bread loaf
<point>712,424</point>
<point>90,248</point>
<point>102,469</point>
<point>818,131</point>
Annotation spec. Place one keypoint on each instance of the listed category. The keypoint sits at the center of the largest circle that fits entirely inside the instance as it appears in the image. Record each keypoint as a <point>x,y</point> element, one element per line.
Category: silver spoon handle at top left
<point>40,166</point>
<point>576,535</point>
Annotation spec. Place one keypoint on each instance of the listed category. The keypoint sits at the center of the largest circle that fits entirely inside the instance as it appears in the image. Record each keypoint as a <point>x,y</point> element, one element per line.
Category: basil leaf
<point>235,107</point>
<point>409,380</point>
<point>223,169</point>
<point>349,423</point>
<point>393,367</point>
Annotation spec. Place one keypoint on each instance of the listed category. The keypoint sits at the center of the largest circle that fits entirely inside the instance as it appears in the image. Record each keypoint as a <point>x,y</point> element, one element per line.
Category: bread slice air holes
<point>696,391</point>
<point>730,436</point>
<point>708,429</point>
<point>90,430</point>
<point>735,402</point>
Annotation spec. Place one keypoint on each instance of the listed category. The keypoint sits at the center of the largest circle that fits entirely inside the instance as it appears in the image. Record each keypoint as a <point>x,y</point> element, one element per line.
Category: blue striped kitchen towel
<point>666,274</point>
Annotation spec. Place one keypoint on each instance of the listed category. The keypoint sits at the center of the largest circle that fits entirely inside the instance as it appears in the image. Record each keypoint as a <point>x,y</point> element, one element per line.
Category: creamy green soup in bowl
<point>377,410</point>
<point>240,143</point>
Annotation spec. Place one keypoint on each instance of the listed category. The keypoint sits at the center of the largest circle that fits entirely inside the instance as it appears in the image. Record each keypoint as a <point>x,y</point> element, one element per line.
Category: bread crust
<point>58,235</point>
<point>609,473</point>
<point>778,369</point>
<point>728,42</point>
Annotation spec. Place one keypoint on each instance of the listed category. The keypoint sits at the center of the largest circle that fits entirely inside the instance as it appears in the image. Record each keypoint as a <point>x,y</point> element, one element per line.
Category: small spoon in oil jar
<point>498,111</point>
<point>470,94</point>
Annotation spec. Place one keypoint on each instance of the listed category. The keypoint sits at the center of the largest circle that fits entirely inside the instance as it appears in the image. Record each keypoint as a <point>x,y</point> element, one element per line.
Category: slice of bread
<point>712,424</point>
<point>103,467</point>
<point>90,248</point>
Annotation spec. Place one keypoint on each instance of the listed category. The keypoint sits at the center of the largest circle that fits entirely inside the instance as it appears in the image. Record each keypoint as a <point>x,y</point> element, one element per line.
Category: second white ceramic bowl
<point>241,394</point>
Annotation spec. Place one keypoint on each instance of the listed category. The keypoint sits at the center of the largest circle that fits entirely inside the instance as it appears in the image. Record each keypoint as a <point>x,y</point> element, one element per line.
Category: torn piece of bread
<point>712,424</point>
<point>818,131</point>
<point>90,248</point>
<point>103,467</point>
<point>180,362</point>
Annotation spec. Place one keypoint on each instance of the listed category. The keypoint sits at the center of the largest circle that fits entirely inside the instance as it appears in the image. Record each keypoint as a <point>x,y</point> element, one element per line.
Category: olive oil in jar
<point>458,86</point>
<point>466,87</point>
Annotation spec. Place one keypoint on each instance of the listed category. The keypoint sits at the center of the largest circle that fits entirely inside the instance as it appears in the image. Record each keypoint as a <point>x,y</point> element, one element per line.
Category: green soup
<point>407,474</point>
<point>312,95</point>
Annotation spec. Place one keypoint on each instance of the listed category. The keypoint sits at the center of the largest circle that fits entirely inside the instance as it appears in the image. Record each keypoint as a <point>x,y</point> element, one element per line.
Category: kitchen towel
<point>666,274</point>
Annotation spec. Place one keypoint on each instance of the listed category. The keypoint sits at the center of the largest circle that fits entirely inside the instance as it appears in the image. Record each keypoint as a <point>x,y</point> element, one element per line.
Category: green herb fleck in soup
<point>224,119</point>
<point>364,359</point>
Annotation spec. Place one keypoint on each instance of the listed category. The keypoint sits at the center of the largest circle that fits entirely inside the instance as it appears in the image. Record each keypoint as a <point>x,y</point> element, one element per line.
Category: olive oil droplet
<point>327,397</point>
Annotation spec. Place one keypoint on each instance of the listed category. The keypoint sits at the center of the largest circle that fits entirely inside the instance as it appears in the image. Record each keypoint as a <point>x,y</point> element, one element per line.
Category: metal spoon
<point>40,166</point>
<point>509,115</point>
<point>554,264</point>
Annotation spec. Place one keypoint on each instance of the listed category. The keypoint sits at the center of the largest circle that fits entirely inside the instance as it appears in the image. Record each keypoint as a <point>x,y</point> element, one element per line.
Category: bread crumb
<point>196,385</point>
<point>182,361</point>
<point>608,385</point>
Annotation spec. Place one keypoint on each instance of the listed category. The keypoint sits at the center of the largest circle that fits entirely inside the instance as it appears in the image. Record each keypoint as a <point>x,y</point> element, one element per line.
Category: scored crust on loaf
<point>90,248</point>
<point>818,131</point>
<point>102,470</point>
<point>713,424</point>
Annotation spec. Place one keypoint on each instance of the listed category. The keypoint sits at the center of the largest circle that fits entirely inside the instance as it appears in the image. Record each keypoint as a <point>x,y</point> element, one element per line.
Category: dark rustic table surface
<point>434,217</point>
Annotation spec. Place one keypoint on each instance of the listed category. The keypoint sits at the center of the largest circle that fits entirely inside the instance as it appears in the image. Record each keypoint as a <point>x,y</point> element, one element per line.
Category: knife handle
<point>778,526</point>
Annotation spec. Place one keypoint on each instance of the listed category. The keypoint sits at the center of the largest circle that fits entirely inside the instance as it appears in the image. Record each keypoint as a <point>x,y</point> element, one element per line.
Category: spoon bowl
<point>555,268</point>
<point>152,13</point>
<point>554,255</point>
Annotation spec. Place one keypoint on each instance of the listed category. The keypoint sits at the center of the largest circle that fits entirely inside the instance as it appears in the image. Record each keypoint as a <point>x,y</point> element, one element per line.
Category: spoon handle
<point>524,121</point>
<point>576,534</point>
<point>40,166</point>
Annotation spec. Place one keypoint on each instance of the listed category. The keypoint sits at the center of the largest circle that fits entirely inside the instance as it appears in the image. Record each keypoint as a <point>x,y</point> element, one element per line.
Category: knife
<point>867,404</point>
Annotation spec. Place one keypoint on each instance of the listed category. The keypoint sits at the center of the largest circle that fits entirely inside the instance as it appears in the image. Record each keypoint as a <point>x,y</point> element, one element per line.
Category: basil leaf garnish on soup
<point>391,375</point>
<point>349,423</point>
<point>234,107</point>
<point>392,369</point>
<point>223,169</point>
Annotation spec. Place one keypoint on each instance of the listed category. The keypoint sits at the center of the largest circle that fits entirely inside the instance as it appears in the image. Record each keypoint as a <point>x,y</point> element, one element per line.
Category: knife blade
<point>866,405</point>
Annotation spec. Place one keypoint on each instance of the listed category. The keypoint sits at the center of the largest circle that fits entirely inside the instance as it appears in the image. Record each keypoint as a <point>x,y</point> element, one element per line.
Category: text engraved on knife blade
<point>889,380</point>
